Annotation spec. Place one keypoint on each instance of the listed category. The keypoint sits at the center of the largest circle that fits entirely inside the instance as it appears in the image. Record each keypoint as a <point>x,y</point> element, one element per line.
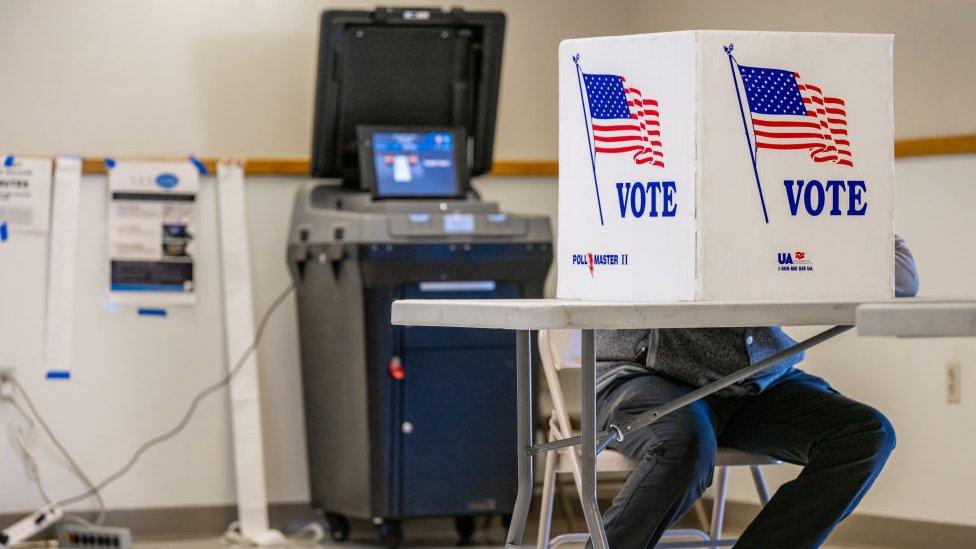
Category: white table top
<point>535,314</point>
<point>918,319</point>
<point>900,317</point>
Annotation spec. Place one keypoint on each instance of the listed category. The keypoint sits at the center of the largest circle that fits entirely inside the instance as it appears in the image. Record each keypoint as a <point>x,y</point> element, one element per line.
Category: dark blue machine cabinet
<point>406,422</point>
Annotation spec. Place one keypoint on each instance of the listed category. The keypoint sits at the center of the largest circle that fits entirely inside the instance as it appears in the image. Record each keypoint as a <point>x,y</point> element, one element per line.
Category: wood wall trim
<point>948,144</point>
<point>953,144</point>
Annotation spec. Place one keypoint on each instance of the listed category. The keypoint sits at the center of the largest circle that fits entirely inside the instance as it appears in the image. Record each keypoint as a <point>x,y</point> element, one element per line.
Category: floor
<point>494,538</point>
<point>429,533</point>
<point>445,544</point>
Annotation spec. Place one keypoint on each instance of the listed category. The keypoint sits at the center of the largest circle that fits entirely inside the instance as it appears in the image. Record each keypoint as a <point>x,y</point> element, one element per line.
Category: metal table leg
<point>526,437</point>
<point>588,450</point>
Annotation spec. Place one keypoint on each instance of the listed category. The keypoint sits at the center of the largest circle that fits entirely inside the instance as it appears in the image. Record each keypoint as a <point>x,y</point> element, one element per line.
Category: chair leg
<point>760,480</point>
<point>548,497</point>
<point>718,506</point>
<point>701,515</point>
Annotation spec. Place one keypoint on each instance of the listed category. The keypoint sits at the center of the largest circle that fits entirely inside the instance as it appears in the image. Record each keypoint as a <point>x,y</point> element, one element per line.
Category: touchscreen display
<point>415,164</point>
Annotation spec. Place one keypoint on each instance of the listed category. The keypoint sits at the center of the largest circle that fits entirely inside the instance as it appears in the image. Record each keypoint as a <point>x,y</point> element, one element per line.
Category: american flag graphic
<point>790,114</point>
<point>623,121</point>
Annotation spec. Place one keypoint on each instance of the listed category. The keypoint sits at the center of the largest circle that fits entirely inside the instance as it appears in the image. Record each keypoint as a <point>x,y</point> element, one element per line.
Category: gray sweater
<point>699,356</point>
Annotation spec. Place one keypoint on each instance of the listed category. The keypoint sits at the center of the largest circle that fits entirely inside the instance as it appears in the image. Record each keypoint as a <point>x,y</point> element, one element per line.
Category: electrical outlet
<point>954,381</point>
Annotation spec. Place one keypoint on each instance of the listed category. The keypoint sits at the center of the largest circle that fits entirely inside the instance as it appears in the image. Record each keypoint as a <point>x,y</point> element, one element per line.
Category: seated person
<point>781,412</point>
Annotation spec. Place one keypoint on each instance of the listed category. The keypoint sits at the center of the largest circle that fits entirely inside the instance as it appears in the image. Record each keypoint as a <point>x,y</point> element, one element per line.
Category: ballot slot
<point>423,337</point>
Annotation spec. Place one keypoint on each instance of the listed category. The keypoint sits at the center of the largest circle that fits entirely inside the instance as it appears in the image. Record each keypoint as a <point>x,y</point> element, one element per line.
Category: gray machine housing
<point>440,441</point>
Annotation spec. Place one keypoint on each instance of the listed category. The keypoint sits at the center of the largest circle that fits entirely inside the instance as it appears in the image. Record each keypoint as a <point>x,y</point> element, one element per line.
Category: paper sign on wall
<point>151,229</point>
<point>25,193</point>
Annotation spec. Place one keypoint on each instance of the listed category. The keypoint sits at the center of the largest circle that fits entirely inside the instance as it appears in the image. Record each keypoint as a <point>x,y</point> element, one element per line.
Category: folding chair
<point>559,350</point>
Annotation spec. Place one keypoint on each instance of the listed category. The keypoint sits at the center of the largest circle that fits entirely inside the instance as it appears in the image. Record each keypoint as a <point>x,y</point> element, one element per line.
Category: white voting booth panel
<point>719,165</point>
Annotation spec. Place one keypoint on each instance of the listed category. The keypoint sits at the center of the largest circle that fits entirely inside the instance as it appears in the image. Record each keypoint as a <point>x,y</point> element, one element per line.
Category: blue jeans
<point>800,419</point>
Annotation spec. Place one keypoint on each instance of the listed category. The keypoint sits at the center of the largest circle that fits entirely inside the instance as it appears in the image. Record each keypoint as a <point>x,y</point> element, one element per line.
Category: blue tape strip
<point>109,162</point>
<point>200,167</point>
<point>4,232</point>
<point>58,374</point>
<point>152,312</point>
<point>9,161</point>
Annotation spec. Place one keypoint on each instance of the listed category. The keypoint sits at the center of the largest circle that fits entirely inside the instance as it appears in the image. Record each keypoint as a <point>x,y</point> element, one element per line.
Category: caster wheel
<point>338,526</point>
<point>391,533</point>
<point>465,527</point>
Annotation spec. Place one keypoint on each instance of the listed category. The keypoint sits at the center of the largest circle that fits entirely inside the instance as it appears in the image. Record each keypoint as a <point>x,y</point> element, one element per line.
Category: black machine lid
<point>405,67</point>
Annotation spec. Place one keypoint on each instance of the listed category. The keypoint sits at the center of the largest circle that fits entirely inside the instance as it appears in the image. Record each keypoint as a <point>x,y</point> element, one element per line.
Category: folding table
<point>527,315</point>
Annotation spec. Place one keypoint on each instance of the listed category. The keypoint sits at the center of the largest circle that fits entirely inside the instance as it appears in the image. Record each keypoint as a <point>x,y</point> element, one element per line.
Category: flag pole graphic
<point>589,144</point>
<point>745,128</point>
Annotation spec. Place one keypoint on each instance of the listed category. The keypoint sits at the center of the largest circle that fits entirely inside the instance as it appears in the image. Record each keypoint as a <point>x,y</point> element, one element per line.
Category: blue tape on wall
<point>58,374</point>
<point>4,233</point>
<point>109,162</point>
<point>152,312</point>
<point>9,161</point>
<point>200,167</point>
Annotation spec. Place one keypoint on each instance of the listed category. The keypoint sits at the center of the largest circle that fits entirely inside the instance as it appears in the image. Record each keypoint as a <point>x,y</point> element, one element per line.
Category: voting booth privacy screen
<point>717,165</point>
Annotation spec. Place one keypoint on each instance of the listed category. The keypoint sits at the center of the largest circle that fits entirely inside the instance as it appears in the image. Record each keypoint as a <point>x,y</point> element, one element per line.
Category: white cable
<point>191,410</point>
<point>22,442</point>
<point>309,535</point>
<point>72,464</point>
<point>314,531</point>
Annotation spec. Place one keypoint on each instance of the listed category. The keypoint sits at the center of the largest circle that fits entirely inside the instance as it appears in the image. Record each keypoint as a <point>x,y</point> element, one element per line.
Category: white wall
<point>932,40</point>
<point>154,78</point>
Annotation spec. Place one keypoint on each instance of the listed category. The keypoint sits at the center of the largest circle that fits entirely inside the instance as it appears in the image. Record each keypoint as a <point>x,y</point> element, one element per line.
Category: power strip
<point>32,524</point>
<point>80,536</point>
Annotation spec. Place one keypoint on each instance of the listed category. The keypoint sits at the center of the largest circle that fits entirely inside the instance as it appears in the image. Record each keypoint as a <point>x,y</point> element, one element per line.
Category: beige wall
<point>935,78</point>
<point>163,78</point>
<point>131,78</point>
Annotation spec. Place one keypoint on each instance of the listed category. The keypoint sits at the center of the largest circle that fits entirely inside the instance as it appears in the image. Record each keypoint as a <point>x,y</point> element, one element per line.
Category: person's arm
<point>906,276</point>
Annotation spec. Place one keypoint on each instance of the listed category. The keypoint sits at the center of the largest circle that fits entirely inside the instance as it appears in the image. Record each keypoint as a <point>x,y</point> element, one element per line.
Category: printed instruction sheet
<point>25,193</point>
<point>151,230</point>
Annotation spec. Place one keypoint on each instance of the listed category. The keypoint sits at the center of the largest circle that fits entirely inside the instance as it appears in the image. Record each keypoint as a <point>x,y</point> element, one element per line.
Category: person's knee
<point>870,436</point>
<point>880,434</point>
<point>688,453</point>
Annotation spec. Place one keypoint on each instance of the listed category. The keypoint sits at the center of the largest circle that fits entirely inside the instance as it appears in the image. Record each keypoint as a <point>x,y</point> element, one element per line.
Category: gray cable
<point>193,405</point>
<point>64,451</point>
<point>18,439</point>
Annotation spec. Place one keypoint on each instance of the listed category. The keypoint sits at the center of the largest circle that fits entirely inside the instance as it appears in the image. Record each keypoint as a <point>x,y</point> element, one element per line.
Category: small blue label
<point>58,374</point>
<point>4,234</point>
<point>152,312</point>
<point>167,180</point>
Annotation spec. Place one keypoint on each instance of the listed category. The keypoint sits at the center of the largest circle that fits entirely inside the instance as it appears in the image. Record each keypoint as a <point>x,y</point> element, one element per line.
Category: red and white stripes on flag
<point>823,130</point>
<point>634,128</point>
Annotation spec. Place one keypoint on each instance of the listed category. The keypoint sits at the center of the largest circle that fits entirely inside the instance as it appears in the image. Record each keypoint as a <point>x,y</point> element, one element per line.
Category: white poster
<point>151,230</point>
<point>25,193</point>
